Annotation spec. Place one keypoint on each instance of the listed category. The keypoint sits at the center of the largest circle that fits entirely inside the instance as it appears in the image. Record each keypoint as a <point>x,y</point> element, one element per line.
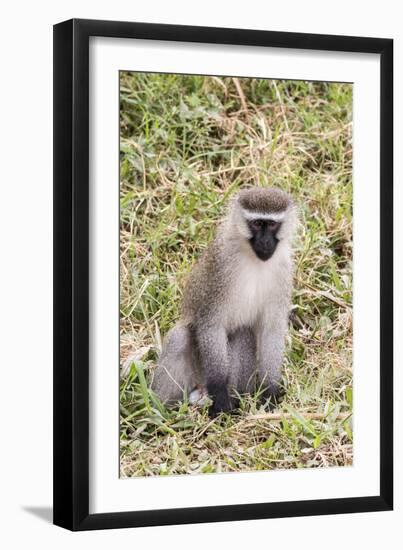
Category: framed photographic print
<point>223,322</point>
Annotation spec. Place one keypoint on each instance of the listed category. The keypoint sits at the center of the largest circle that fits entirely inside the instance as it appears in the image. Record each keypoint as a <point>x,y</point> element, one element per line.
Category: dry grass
<point>187,144</point>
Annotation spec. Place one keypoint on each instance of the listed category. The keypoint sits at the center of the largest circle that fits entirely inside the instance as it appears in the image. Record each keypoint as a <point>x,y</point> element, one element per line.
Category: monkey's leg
<point>270,351</point>
<point>242,353</point>
<point>212,344</point>
<point>175,373</point>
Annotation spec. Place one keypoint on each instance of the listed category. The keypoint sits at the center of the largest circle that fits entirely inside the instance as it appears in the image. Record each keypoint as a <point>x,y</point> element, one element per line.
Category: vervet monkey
<point>236,304</point>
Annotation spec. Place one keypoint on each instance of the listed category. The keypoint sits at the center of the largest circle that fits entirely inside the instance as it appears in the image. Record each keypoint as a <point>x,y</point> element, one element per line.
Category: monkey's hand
<point>222,401</point>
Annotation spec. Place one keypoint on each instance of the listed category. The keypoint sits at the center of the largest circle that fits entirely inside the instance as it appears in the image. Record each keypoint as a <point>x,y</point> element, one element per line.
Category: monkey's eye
<point>256,224</point>
<point>272,225</point>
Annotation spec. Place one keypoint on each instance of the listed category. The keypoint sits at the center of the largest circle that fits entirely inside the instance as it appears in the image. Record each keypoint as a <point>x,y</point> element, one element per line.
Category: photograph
<point>236,274</point>
<point>202,264</point>
<point>223,274</point>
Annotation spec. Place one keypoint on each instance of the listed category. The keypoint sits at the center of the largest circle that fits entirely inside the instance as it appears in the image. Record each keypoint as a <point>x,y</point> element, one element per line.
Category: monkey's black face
<point>264,240</point>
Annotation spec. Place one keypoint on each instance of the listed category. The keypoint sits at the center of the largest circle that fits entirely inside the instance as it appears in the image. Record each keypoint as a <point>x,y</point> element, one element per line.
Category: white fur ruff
<point>256,283</point>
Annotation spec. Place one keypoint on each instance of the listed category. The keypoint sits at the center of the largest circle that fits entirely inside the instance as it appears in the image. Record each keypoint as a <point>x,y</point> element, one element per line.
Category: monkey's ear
<point>233,201</point>
<point>236,221</point>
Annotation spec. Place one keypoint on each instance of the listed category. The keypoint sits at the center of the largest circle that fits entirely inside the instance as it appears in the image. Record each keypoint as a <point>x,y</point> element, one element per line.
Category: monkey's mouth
<point>263,252</point>
<point>264,256</point>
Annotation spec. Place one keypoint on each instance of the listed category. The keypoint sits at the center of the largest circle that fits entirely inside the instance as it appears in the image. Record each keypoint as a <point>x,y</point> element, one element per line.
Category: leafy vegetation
<point>187,144</point>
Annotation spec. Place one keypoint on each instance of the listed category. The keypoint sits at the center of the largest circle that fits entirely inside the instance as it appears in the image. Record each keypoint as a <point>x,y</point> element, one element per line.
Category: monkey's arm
<point>271,333</point>
<point>212,346</point>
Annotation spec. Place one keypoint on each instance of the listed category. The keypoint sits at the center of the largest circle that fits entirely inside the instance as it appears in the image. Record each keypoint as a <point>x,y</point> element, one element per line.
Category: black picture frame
<point>71,274</point>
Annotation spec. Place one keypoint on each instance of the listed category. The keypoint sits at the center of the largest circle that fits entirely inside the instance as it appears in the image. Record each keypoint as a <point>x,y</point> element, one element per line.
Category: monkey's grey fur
<point>232,330</point>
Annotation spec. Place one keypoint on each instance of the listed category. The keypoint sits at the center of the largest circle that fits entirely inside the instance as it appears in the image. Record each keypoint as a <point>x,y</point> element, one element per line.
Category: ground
<point>187,144</point>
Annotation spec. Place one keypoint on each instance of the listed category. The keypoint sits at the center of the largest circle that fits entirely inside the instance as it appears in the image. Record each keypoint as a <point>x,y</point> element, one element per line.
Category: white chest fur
<point>255,281</point>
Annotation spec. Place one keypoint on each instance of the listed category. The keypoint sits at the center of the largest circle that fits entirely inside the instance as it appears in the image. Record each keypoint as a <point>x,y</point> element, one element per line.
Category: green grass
<point>187,144</point>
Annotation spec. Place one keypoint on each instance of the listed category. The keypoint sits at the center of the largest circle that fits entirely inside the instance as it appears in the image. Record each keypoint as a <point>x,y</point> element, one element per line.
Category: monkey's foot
<point>222,402</point>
